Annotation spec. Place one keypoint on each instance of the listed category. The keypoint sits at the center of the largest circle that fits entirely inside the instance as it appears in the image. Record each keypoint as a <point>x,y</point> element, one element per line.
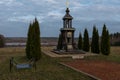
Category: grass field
<point>113,57</point>
<point>47,68</point>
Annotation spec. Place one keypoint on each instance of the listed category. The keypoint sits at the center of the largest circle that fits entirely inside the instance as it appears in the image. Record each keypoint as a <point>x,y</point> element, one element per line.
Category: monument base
<point>68,51</point>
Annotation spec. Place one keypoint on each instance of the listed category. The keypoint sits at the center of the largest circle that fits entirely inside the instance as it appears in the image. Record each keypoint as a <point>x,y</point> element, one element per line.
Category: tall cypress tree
<point>33,47</point>
<point>95,41</point>
<point>80,42</point>
<point>2,41</point>
<point>37,40</point>
<point>108,44</point>
<point>86,41</point>
<point>32,41</point>
<point>105,41</point>
<point>28,44</point>
<point>59,45</point>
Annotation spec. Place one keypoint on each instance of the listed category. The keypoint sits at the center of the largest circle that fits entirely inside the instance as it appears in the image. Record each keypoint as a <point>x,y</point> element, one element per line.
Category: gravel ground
<point>101,69</point>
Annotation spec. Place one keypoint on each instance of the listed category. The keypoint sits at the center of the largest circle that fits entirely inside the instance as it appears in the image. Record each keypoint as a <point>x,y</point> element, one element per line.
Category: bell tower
<point>67,32</point>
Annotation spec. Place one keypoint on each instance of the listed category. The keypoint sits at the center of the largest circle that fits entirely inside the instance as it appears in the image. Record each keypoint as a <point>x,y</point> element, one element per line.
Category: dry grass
<point>115,50</point>
<point>8,52</point>
<point>12,51</point>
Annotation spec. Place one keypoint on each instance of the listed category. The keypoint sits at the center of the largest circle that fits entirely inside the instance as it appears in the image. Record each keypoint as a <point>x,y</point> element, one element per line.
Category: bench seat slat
<point>22,66</point>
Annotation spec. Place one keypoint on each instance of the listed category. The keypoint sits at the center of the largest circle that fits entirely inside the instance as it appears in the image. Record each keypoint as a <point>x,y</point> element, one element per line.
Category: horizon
<point>17,15</point>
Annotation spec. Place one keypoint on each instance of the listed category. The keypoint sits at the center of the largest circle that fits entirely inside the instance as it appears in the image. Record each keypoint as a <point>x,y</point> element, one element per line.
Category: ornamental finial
<point>67,3</point>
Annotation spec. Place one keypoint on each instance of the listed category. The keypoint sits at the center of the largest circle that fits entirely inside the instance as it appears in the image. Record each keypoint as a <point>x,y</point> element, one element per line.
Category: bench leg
<point>11,65</point>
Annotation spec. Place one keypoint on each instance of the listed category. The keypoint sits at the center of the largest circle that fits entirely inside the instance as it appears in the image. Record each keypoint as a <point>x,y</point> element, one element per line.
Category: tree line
<point>115,35</point>
<point>115,39</point>
<point>98,44</point>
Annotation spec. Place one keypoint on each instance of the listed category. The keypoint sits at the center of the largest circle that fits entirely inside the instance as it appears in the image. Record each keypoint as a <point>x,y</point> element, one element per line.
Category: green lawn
<point>47,68</point>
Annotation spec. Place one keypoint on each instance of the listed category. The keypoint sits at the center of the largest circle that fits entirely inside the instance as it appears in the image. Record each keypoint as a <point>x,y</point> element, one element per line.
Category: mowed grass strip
<point>113,57</point>
<point>47,68</point>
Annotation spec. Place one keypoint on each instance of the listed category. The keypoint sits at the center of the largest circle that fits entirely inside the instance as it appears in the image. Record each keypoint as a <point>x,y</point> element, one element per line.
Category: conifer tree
<point>86,41</point>
<point>33,46</point>
<point>37,40</point>
<point>59,45</point>
<point>28,44</point>
<point>2,41</point>
<point>105,41</point>
<point>95,41</point>
<point>80,42</point>
<point>108,44</point>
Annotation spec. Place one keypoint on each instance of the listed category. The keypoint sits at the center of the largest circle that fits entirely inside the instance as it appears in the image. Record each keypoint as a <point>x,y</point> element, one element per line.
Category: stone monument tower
<point>66,42</point>
<point>67,32</point>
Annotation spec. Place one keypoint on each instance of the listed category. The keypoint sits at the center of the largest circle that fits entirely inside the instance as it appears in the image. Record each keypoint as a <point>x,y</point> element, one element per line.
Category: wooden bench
<point>30,64</point>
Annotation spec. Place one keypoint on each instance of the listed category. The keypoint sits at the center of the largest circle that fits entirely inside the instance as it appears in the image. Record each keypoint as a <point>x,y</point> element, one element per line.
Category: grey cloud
<point>50,12</point>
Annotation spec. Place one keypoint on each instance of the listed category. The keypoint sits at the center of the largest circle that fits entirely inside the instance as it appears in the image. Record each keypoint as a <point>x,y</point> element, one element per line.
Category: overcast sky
<point>15,16</point>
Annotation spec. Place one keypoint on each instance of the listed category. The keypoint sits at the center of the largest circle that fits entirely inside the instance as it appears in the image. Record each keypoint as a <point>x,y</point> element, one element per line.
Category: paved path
<point>48,51</point>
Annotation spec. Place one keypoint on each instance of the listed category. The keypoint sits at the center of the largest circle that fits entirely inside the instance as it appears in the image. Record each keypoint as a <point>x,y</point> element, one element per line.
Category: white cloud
<point>51,1</point>
<point>25,19</point>
<point>10,2</point>
<point>55,14</point>
<point>41,2</point>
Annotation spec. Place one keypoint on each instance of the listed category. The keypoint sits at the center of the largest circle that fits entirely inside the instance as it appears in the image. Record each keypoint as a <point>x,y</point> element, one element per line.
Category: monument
<point>67,32</point>
<point>66,43</point>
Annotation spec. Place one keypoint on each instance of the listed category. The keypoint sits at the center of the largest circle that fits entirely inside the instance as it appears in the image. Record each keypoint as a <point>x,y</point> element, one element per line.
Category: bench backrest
<point>31,64</point>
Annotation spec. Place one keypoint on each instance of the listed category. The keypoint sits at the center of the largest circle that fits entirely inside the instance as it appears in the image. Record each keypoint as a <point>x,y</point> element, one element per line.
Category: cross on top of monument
<point>67,15</point>
<point>67,3</point>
